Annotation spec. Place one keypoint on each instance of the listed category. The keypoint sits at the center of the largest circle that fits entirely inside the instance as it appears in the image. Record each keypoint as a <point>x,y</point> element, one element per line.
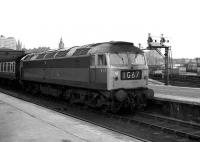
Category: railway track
<point>180,128</point>
<point>142,126</point>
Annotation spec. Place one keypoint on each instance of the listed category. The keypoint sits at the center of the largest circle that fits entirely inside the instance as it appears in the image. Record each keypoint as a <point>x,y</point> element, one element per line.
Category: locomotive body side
<point>70,71</point>
<point>66,71</point>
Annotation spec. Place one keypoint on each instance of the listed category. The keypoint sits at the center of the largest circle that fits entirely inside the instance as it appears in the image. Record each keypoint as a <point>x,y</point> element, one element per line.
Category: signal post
<point>154,45</point>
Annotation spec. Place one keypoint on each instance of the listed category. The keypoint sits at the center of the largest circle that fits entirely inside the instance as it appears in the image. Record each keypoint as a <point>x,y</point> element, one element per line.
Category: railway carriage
<point>110,75</point>
<point>9,64</point>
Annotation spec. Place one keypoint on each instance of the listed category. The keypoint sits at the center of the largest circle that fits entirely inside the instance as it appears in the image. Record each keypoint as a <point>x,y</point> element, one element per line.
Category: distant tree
<point>24,49</point>
<point>36,50</point>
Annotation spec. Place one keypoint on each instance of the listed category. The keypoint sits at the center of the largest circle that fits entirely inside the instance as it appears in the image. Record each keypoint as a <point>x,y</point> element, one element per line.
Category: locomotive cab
<point>113,71</point>
<point>127,70</point>
<point>123,74</point>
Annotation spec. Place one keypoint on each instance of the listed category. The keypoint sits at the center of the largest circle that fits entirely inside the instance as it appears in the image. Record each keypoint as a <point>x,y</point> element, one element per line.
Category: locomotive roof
<point>105,47</point>
<point>113,47</point>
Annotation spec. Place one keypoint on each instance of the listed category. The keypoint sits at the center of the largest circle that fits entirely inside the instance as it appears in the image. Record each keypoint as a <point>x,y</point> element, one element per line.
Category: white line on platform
<point>174,86</point>
<point>173,98</point>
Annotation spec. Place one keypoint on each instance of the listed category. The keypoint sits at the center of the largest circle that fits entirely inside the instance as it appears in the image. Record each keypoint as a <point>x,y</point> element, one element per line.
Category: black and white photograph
<point>99,71</point>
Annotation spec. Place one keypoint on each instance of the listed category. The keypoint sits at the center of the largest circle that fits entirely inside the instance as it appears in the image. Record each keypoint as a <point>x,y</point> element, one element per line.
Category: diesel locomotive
<point>110,75</point>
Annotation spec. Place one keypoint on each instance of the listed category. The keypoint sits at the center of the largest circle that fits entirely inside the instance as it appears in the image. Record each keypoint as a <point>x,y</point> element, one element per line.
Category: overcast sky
<point>42,22</point>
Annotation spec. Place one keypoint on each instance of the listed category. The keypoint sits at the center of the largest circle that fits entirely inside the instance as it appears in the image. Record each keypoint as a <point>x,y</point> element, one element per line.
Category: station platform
<point>187,95</point>
<point>22,121</point>
<point>155,82</point>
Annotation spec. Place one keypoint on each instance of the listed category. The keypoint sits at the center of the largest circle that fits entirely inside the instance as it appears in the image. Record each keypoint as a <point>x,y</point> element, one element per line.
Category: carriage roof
<point>10,54</point>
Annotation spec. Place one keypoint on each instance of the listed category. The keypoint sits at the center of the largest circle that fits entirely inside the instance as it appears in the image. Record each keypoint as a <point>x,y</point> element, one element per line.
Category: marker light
<point>116,75</point>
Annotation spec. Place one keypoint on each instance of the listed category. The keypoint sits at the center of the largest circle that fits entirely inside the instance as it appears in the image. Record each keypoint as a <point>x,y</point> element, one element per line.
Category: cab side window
<point>102,60</point>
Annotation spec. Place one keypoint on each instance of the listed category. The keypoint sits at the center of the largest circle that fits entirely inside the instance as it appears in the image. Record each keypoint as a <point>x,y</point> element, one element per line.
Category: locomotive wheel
<point>92,102</point>
<point>92,99</point>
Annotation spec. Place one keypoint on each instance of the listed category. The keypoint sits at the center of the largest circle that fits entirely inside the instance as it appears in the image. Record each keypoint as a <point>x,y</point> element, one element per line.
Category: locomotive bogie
<point>52,90</point>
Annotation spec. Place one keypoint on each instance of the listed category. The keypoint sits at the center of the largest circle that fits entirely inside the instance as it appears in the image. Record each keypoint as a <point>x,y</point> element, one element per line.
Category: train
<point>111,76</point>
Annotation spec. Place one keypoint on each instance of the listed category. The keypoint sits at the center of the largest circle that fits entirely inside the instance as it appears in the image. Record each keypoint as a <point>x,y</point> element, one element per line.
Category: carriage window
<point>8,67</point>
<point>13,67</point>
<point>4,67</point>
<point>102,60</point>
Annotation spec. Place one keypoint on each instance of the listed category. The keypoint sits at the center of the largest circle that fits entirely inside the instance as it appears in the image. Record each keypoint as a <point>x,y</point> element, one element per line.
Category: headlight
<point>116,75</point>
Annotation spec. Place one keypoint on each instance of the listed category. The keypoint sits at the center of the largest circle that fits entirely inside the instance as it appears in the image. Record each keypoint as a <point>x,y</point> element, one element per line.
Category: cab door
<point>98,71</point>
<point>101,71</point>
<point>92,70</point>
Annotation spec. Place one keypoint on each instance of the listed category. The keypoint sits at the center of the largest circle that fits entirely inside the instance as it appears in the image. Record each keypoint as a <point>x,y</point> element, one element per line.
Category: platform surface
<point>174,93</point>
<point>21,121</point>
